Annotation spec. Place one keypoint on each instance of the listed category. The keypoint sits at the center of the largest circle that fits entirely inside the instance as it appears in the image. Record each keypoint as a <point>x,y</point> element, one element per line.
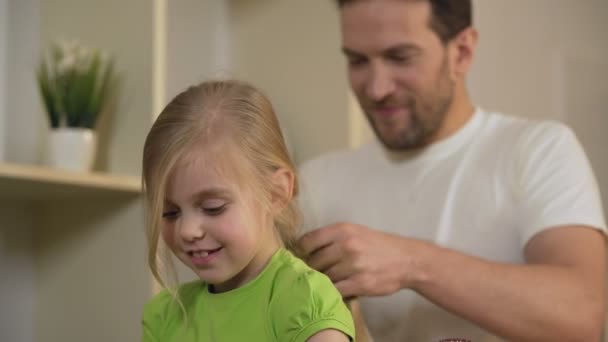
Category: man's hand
<point>362,261</point>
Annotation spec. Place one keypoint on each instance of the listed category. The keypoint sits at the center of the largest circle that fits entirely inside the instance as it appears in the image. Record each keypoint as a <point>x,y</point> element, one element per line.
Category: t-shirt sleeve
<point>556,184</point>
<point>153,317</point>
<point>307,305</point>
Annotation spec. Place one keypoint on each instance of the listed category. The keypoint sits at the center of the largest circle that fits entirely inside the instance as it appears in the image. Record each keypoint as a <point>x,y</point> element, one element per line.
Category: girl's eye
<point>170,215</point>
<point>214,210</point>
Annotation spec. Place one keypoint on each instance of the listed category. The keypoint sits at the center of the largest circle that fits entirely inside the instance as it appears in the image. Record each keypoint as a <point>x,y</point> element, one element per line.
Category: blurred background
<point>72,249</point>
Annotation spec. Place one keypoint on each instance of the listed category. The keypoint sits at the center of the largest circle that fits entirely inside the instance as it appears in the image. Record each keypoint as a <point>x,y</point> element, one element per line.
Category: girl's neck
<point>256,266</point>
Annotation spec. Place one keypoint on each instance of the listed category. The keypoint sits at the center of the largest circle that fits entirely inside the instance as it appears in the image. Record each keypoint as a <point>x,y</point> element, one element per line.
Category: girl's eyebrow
<point>213,192</point>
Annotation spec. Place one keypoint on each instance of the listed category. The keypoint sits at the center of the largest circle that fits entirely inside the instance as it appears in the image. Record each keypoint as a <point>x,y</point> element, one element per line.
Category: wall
<point>17,287</point>
<point>291,49</point>
<point>547,59</point>
<point>3,57</point>
<point>18,21</point>
<point>23,114</point>
<point>520,44</point>
<point>91,280</point>
<point>199,43</point>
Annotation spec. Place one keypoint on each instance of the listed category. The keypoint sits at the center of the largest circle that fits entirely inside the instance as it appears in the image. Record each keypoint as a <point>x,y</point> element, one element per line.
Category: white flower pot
<point>71,149</point>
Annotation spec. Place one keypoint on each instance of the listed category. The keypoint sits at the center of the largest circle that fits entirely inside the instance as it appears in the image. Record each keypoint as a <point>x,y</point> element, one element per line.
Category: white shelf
<point>41,183</point>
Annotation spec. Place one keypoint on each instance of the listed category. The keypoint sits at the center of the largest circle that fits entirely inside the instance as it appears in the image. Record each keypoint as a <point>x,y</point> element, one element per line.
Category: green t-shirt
<point>287,301</point>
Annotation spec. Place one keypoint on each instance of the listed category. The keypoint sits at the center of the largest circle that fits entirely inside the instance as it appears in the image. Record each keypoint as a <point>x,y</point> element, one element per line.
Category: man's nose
<point>380,83</point>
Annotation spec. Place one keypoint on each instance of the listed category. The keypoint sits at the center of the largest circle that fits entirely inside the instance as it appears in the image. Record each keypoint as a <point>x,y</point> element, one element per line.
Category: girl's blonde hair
<point>213,110</point>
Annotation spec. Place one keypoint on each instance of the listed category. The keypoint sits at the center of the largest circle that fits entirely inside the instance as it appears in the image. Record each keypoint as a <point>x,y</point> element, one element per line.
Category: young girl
<point>219,185</point>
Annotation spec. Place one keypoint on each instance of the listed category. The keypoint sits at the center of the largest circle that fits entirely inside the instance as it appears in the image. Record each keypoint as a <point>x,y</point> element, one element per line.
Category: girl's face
<point>215,227</point>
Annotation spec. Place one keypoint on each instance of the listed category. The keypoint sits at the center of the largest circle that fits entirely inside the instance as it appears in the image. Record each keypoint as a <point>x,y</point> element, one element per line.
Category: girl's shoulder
<point>163,315</point>
<point>294,274</point>
<point>305,301</point>
<point>165,302</point>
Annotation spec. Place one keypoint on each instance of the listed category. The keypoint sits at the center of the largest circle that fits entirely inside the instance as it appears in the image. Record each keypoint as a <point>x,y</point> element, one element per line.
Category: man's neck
<point>460,111</point>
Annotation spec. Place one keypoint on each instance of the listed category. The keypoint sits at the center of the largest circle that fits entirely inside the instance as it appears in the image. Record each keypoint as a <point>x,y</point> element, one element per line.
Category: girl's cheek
<point>168,236</point>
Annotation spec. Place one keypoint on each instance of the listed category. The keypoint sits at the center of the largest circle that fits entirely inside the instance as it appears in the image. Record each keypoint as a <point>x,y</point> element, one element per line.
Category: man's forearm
<point>518,302</point>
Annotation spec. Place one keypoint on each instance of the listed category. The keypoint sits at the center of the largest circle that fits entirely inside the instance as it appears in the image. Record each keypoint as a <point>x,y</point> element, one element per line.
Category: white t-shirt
<point>484,191</point>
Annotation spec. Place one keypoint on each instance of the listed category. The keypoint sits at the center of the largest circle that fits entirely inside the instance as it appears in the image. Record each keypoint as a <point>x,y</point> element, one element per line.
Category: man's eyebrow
<point>349,52</point>
<point>406,47</point>
<point>399,48</point>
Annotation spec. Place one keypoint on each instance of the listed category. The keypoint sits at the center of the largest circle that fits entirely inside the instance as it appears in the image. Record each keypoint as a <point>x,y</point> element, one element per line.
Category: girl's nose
<point>191,229</point>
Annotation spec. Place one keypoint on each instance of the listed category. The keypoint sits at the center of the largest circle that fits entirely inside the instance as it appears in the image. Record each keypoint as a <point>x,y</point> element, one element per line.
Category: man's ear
<point>283,183</point>
<point>463,50</point>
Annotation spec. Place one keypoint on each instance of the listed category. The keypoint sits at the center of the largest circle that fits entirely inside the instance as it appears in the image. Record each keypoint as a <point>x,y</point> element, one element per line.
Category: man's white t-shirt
<point>484,191</point>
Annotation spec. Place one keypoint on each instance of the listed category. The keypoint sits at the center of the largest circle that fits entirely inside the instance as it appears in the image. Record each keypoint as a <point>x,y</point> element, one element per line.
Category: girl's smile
<point>203,257</point>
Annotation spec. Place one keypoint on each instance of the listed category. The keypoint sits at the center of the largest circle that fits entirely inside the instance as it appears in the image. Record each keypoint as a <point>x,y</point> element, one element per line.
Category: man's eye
<point>400,58</point>
<point>356,61</point>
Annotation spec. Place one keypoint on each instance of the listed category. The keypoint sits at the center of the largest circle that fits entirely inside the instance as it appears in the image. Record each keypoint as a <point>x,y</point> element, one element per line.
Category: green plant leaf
<point>75,85</point>
<point>46,93</point>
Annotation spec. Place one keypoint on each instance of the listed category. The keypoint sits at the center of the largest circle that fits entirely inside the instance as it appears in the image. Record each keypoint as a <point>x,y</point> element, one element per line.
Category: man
<point>458,223</point>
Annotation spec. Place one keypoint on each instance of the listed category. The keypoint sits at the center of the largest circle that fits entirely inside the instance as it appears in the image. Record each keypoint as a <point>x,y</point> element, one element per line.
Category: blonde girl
<point>219,186</point>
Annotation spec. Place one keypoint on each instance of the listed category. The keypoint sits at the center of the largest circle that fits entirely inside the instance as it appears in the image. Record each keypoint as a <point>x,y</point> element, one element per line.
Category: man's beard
<point>426,116</point>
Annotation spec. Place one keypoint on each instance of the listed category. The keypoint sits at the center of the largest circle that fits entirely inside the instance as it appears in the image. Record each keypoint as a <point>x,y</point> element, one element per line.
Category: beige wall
<point>199,43</point>
<point>3,56</point>
<point>91,280</point>
<point>520,45</point>
<point>24,119</point>
<point>18,44</point>
<point>547,59</point>
<point>290,48</point>
<point>17,272</point>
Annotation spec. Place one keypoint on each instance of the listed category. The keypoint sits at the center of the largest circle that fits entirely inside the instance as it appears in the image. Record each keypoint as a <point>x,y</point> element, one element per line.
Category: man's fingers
<point>339,272</point>
<point>348,288</point>
<point>312,241</point>
<point>324,258</point>
<point>316,239</point>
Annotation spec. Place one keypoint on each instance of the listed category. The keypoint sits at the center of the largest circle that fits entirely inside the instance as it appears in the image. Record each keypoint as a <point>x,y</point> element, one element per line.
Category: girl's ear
<point>283,182</point>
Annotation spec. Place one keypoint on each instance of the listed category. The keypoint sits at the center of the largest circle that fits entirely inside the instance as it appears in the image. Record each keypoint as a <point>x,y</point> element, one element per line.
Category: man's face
<point>398,68</point>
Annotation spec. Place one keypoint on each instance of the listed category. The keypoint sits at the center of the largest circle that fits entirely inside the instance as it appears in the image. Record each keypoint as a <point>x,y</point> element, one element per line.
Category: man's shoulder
<point>524,130</point>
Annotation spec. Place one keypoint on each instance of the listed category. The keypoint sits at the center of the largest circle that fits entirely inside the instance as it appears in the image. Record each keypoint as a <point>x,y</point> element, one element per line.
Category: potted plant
<point>75,86</point>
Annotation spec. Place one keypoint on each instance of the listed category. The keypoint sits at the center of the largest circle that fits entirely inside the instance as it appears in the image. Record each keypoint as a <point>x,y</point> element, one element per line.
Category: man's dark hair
<point>448,18</point>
